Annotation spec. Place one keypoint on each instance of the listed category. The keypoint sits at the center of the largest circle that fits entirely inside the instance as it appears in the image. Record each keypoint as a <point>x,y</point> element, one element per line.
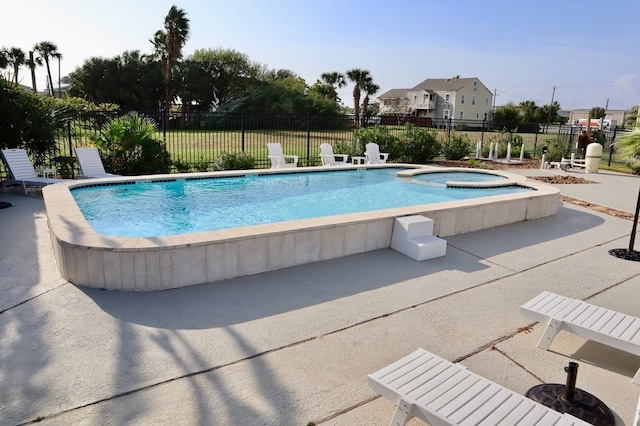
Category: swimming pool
<point>89,258</point>
<point>178,206</point>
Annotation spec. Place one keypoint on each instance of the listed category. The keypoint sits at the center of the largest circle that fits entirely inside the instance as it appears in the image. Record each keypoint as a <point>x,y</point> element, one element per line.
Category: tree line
<point>13,58</point>
<point>218,79</point>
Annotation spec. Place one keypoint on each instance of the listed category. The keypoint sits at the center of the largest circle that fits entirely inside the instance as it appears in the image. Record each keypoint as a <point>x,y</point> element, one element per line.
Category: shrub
<point>184,166</point>
<point>382,136</point>
<point>420,144</point>
<point>352,148</point>
<point>457,147</point>
<point>129,147</point>
<point>555,149</point>
<point>26,121</point>
<point>234,161</point>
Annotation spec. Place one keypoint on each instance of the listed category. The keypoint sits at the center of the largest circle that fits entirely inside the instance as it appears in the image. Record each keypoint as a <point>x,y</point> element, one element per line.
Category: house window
<point>446,114</point>
<point>461,115</point>
<point>461,99</point>
<point>475,85</point>
<point>486,102</point>
<point>473,100</point>
<point>477,115</point>
<point>447,98</point>
<point>486,115</point>
<point>415,98</point>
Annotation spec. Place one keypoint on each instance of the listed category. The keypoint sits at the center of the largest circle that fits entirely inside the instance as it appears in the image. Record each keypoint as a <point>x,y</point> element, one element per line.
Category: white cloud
<point>628,83</point>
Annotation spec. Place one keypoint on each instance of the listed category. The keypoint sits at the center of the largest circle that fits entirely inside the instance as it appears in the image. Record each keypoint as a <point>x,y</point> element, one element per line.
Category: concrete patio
<point>294,346</point>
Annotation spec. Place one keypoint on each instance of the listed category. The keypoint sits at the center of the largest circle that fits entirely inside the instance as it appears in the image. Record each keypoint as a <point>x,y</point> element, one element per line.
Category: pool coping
<point>87,258</point>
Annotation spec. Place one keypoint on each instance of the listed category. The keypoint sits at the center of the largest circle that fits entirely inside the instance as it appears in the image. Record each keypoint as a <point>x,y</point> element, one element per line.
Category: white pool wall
<point>87,258</point>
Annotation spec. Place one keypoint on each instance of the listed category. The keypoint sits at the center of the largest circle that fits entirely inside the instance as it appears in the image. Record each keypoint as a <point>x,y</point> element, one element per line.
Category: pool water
<point>149,209</point>
<point>443,177</point>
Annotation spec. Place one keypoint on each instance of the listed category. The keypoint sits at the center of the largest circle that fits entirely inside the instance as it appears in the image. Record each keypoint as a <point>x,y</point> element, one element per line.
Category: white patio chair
<point>599,324</point>
<point>439,392</point>
<point>22,173</point>
<point>91,164</point>
<point>278,159</point>
<point>330,159</point>
<point>373,154</point>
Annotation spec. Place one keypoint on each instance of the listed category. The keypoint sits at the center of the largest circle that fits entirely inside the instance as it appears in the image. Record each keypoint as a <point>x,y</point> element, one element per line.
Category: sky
<point>581,54</point>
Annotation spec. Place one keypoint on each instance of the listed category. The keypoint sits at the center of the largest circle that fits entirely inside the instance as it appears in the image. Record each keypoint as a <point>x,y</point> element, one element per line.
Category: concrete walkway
<point>293,346</point>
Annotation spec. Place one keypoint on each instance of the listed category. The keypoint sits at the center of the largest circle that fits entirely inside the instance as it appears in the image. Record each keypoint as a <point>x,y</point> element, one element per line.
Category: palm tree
<point>335,80</point>
<point>32,63</point>
<point>4,62</point>
<point>47,50</point>
<point>15,58</point>
<point>370,89</point>
<point>173,38</point>
<point>360,78</point>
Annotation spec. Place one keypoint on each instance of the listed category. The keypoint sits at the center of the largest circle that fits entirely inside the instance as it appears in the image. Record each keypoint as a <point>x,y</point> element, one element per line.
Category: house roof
<point>394,93</point>
<point>444,84</point>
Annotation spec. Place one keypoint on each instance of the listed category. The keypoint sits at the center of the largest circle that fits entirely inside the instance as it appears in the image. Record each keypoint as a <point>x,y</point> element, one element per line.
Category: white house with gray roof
<point>441,98</point>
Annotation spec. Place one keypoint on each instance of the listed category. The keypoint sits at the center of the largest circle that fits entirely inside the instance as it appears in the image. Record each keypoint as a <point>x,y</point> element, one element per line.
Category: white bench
<point>428,387</point>
<point>601,325</point>
<point>565,163</point>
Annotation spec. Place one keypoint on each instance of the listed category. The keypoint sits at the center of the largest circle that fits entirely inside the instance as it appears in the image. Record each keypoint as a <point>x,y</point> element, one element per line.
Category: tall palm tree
<point>4,62</point>
<point>336,80</point>
<point>359,78</point>
<point>174,36</point>
<point>32,63</point>
<point>15,58</point>
<point>47,50</point>
<point>370,89</point>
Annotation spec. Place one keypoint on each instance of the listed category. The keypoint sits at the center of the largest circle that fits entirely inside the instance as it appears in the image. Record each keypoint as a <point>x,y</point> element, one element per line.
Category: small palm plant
<point>628,146</point>
<point>129,146</point>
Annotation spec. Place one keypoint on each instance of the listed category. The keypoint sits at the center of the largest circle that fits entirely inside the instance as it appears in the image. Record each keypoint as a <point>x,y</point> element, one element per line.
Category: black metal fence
<point>197,139</point>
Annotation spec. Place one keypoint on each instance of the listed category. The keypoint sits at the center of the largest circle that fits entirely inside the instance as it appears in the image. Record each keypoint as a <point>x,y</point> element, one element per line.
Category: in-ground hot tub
<point>88,258</point>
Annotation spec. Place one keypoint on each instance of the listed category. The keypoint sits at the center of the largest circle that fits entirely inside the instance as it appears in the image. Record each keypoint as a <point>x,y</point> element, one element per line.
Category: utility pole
<point>493,107</point>
<point>606,107</point>
<point>553,94</point>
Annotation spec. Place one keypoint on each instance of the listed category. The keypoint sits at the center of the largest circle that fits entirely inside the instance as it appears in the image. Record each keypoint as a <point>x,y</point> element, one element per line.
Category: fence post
<point>449,128</point>
<point>571,136</point>
<point>611,146</point>
<point>242,128</point>
<point>73,169</point>
<point>308,137</point>
<point>164,126</point>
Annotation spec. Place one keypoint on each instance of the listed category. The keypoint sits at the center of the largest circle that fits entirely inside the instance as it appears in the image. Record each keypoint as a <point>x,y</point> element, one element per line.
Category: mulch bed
<point>571,180</point>
<point>488,165</point>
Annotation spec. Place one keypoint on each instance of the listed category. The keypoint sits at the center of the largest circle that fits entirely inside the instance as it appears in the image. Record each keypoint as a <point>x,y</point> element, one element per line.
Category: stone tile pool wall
<point>89,259</point>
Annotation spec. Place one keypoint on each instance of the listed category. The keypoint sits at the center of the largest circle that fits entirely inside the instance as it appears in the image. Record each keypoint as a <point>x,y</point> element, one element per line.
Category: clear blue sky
<point>589,50</point>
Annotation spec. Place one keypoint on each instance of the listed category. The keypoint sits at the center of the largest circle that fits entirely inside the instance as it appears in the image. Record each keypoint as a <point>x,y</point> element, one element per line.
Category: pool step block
<point>413,237</point>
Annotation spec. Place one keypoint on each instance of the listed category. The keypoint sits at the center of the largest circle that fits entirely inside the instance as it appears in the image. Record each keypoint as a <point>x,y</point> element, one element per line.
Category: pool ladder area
<point>413,237</point>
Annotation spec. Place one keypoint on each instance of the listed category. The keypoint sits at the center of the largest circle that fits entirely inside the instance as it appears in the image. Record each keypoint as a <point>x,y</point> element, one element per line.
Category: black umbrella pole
<point>635,225</point>
<point>630,253</point>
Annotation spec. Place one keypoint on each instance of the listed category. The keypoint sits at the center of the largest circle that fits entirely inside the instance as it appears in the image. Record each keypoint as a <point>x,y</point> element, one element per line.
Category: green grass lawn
<point>202,147</point>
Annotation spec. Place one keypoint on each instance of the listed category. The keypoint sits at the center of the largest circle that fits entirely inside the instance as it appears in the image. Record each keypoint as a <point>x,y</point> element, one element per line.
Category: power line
<point>572,86</point>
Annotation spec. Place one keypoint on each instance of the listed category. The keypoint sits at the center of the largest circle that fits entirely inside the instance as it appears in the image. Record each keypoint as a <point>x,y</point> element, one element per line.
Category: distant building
<point>617,116</point>
<point>440,98</point>
<point>58,90</point>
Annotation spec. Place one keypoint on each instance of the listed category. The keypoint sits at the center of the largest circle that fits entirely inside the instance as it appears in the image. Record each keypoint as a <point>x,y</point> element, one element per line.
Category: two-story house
<point>442,98</point>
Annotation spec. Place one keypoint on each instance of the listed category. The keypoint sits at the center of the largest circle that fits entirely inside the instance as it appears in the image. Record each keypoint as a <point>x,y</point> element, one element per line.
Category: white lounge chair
<point>278,159</point>
<point>21,171</point>
<point>330,159</point>
<point>373,154</point>
<point>601,325</point>
<point>438,392</point>
<point>91,164</point>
